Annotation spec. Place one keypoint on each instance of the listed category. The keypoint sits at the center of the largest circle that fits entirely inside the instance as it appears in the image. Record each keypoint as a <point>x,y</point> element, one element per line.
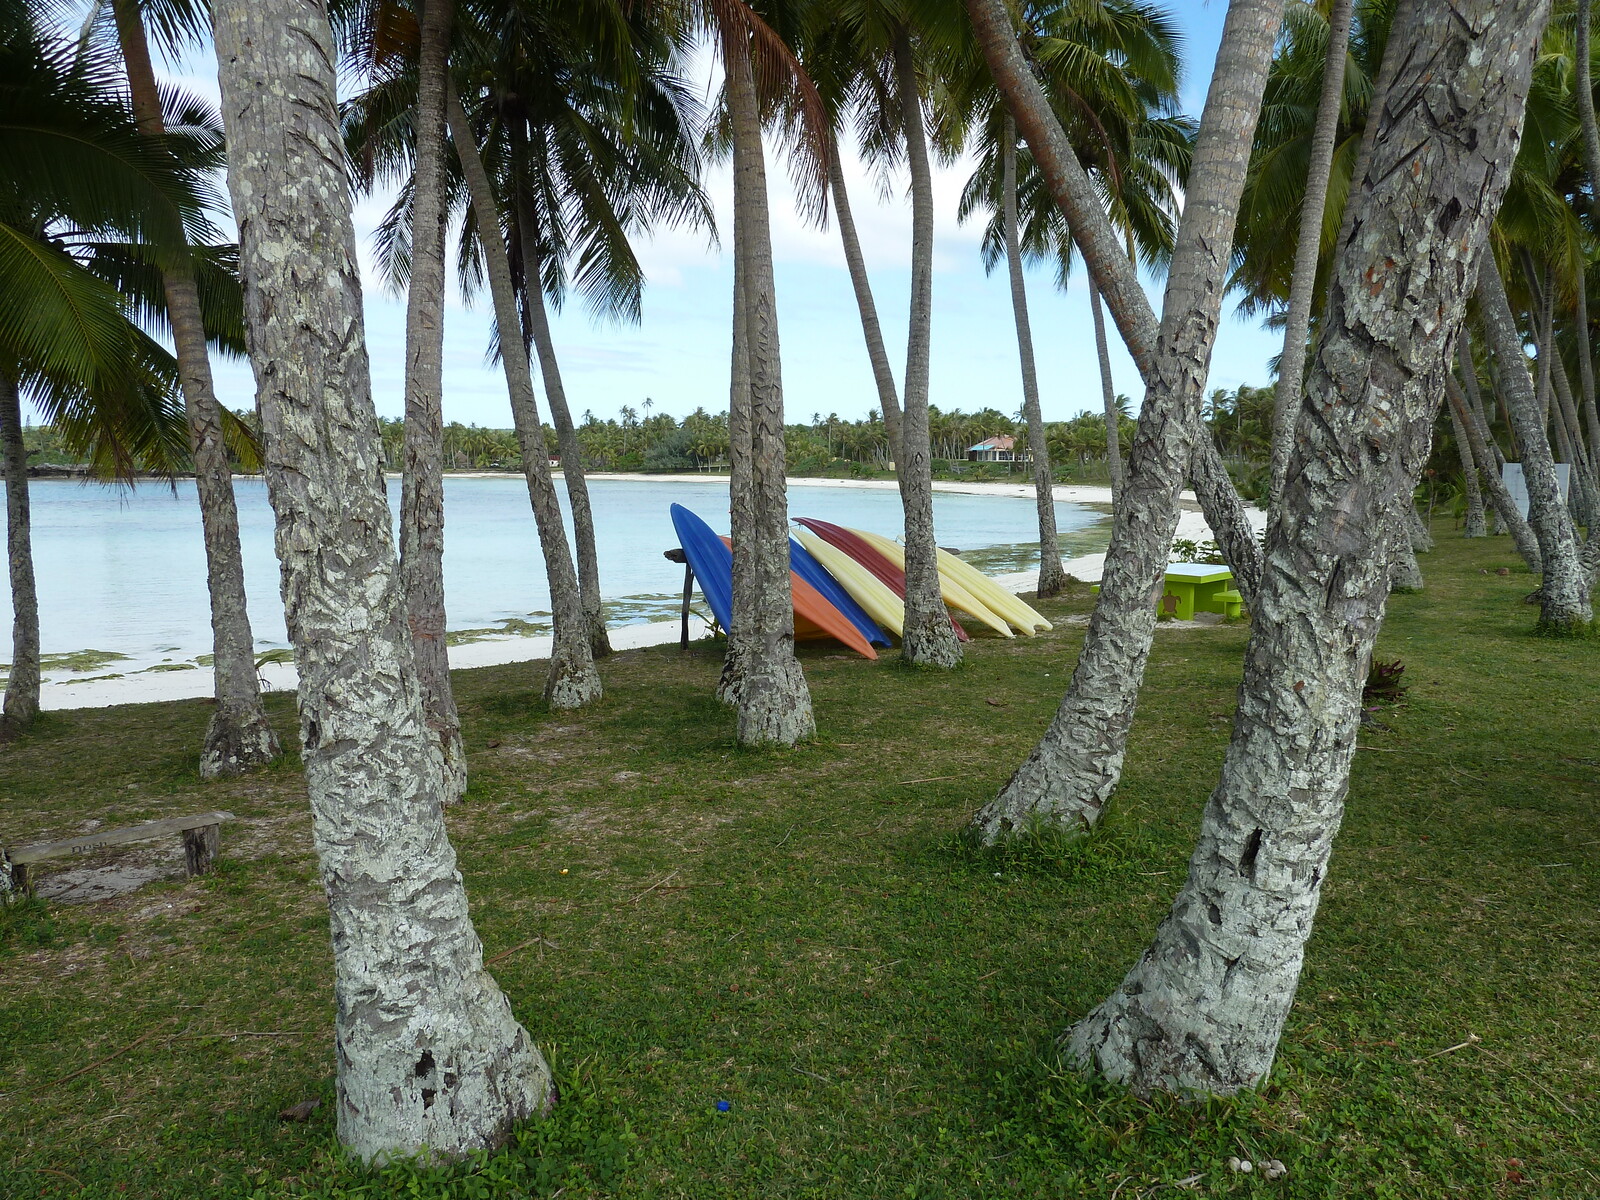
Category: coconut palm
<point>1112,72</point>
<point>91,210</point>
<point>238,735</point>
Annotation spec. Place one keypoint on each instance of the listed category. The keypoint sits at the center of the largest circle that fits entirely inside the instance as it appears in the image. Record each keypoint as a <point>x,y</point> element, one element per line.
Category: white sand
<point>153,687</point>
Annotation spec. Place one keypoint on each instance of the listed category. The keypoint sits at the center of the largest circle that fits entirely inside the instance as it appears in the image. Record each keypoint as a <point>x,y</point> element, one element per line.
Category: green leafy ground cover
<point>802,935</point>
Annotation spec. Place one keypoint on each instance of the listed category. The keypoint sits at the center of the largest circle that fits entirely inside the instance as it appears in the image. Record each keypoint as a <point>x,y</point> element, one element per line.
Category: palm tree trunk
<point>1475,526</point>
<point>1224,512</point>
<point>1583,479</point>
<point>882,374</point>
<point>1405,575</point>
<point>1051,577</point>
<point>1505,506</point>
<point>1591,414</point>
<point>422,452</point>
<point>238,736</point>
<point>1564,594</point>
<point>566,434</point>
<point>741,502</point>
<point>929,639</point>
<point>1108,395</point>
<point>429,1055</point>
<point>1302,283</point>
<point>1203,1009</point>
<point>22,686</point>
<point>774,703</point>
<point>1474,396</point>
<point>573,679</point>
<point>1070,774</point>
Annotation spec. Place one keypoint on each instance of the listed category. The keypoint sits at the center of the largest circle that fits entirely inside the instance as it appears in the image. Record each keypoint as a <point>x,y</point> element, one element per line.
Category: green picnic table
<point>1202,587</point>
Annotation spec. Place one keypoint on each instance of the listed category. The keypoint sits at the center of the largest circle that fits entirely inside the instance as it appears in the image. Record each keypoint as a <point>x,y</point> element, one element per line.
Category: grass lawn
<point>801,935</point>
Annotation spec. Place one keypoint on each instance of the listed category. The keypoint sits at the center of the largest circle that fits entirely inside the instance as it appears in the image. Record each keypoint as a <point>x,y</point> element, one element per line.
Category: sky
<point>677,356</point>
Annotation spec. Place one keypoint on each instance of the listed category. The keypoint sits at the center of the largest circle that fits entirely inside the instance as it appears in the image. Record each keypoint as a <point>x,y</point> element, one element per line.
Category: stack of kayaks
<point>850,585</point>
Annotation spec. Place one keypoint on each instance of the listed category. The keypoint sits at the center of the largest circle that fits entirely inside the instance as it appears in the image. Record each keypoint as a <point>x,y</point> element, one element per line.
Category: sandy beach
<point>153,687</point>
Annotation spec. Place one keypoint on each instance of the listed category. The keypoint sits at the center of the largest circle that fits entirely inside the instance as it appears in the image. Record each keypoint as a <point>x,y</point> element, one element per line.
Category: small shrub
<point>1383,683</point>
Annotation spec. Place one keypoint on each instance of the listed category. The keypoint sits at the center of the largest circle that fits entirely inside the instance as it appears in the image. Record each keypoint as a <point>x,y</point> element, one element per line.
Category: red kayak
<point>869,556</point>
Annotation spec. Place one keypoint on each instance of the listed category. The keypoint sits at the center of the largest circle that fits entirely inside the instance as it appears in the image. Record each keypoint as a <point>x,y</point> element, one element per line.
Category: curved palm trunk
<point>1591,414</point>
<point>1108,396</point>
<point>422,451</point>
<point>1203,1009</point>
<point>22,685</point>
<point>1500,497</point>
<point>1474,526</point>
<point>1051,576</point>
<point>1303,280</point>
<point>238,736</point>
<point>1583,477</point>
<point>1070,774</point>
<point>429,1055</point>
<point>566,436</point>
<point>882,374</point>
<point>929,640</point>
<point>573,679</point>
<point>1405,575</point>
<point>1564,594</point>
<point>774,704</point>
<point>1224,512</point>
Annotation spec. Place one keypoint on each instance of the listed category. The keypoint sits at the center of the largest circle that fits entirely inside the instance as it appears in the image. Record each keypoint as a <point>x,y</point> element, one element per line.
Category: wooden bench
<point>202,834</point>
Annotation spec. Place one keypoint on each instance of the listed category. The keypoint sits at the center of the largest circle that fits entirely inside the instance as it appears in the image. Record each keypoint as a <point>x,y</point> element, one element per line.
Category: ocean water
<point>123,571</point>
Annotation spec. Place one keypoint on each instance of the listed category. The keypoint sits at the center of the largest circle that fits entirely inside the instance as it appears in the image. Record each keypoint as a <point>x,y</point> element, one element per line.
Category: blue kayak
<point>805,565</point>
<point>709,559</point>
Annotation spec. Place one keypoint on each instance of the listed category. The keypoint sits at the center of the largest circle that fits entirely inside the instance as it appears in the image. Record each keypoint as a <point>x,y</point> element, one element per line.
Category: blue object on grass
<point>723,1106</point>
<point>805,565</point>
<point>710,560</point>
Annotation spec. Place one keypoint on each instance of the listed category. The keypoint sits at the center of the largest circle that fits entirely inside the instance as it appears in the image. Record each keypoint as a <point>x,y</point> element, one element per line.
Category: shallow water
<point>124,571</point>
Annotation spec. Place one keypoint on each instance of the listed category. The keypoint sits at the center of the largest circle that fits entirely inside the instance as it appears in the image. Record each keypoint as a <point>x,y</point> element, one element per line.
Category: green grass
<point>805,936</point>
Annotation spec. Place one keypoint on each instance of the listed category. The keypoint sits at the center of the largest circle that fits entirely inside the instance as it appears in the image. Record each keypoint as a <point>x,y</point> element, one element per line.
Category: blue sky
<point>678,354</point>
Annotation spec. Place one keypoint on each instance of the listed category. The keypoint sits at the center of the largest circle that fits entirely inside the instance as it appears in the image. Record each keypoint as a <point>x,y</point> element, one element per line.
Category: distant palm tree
<point>90,206</point>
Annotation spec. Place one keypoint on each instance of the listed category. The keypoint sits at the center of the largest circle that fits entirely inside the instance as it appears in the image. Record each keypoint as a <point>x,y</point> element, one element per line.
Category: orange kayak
<point>816,617</point>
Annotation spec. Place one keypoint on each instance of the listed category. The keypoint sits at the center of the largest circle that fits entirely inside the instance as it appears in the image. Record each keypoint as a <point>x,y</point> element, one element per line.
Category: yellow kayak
<point>1007,604</point>
<point>862,586</point>
<point>955,595</point>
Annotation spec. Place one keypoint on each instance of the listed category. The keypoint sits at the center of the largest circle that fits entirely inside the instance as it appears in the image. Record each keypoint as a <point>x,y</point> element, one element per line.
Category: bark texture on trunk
<point>22,686</point>
<point>422,452</point>
<point>1405,573</point>
<point>573,680</point>
<point>1564,593</point>
<point>1303,280</point>
<point>1108,395</point>
<point>741,501</point>
<point>1224,512</point>
<point>238,736</point>
<point>572,472</point>
<point>1203,1009</point>
<point>1070,774</point>
<point>882,373</point>
<point>1475,526</point>
<point>929,639</point>
<point>428,1052</point>
<point>1499,496</point>
<point>774,703</point>
<point>1051,576</point>
<point>1591,413</point>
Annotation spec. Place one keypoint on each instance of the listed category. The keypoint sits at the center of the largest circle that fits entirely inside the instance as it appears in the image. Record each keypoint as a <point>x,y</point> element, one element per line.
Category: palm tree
<point>1075,767</point>
<point>91,205</point>
<point>238,736</point>
<point>1308,245</point>
<point>1112,73</point>
<point>573,680</point>
<point>430,1059</point>
<point>762,676</point>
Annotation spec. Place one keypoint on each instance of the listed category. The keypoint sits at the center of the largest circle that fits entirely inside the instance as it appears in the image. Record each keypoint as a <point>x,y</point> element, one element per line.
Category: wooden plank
<point>88,844</point>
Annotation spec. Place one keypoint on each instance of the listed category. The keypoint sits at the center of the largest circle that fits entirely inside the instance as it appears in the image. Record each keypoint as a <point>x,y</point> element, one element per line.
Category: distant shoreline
<point>158,687</point>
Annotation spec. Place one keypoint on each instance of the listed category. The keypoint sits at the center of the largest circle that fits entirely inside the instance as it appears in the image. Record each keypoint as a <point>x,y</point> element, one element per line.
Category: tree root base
<point>237,740</point>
